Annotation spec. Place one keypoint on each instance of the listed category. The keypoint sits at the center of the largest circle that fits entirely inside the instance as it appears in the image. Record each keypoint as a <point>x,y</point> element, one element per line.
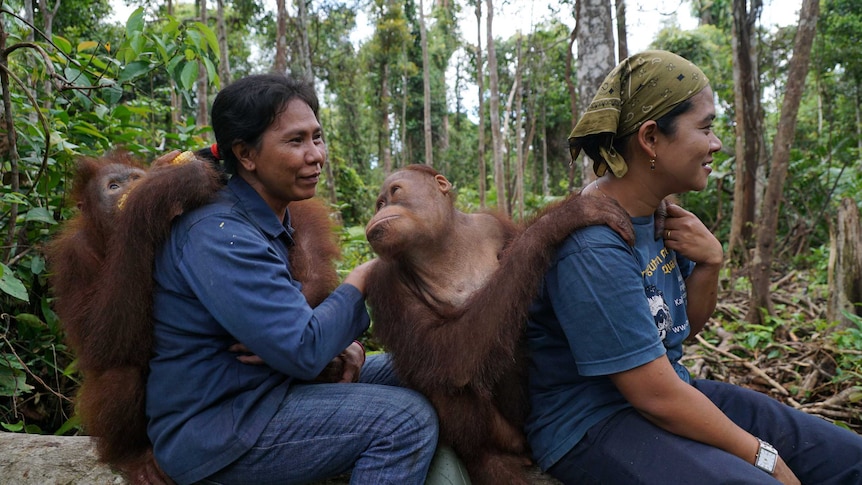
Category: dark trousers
<point>626,449</point>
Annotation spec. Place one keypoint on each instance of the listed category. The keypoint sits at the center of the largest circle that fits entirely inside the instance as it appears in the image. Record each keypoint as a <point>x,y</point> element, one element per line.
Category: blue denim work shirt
<point>223,277</point>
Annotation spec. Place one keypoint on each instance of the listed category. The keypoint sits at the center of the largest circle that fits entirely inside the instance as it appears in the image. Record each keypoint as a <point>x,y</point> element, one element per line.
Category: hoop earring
<point>652,164</point>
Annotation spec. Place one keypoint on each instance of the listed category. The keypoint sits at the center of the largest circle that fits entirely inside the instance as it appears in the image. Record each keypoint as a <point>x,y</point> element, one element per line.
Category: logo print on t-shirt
<point>659,309</point>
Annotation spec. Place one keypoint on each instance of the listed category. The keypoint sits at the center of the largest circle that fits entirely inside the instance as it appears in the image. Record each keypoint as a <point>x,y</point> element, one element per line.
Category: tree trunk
<point>494,113</point>
<point>426,86</point>
<point>573,93</point>
<point>519,132</point>
<point>480,83</point>
<point>385,150</point>
<point>749,126</point>
<point>176,107</point>
<point>545,187</point>
<point>622,32</point>
<point>595,58</point>
<point>845,265</point>
<point>302,28</point>
<point>761,265</point>
<point>406,153</point>
<point>48,14</point>
<point>28,17</point>
<point>280,63</point>
<point>203,100</point>
<point>13,172</point>
<point>224,58</point>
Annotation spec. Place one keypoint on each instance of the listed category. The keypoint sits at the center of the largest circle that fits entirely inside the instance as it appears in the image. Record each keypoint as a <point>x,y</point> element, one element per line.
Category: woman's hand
<point>345,367</point>
<point>359,274</point>
<point>245,356</point>
<point>687,235</point>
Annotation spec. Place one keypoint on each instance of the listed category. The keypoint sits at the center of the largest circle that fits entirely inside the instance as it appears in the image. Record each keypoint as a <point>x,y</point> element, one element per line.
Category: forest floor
<point>796,358</point>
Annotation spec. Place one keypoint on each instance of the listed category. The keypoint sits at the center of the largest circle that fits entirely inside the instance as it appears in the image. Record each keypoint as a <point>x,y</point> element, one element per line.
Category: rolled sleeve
<point>612,337</point>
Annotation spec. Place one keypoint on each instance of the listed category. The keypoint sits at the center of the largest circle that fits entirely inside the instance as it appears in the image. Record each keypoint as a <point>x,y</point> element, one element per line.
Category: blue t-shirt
<point>223,277</point>
<point>605,308</point>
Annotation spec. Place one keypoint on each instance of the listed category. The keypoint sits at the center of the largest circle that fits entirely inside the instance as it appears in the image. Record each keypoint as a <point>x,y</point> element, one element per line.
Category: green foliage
<point>105,94</point>
<point>358,198</point>
<point>851,337</point>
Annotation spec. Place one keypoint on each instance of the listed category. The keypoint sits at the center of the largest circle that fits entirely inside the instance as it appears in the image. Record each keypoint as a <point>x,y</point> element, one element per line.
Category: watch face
<point>768,459</point>
<point>767,456</point>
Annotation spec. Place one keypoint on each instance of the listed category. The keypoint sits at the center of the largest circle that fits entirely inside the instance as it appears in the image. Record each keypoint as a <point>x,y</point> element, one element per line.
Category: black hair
<point>244,109</point>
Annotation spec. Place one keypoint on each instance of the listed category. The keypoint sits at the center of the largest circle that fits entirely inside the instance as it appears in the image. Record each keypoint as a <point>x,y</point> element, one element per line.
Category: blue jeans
<point>383,433</point>
<point>627,449</point>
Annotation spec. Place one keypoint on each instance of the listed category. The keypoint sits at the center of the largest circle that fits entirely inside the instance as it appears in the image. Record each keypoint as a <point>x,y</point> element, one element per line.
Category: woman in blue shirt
<point>223,277</point>
<point>611,402</point>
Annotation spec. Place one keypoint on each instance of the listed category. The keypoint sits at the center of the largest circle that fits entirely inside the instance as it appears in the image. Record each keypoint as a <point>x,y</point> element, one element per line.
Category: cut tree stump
<point>32,459</point>
<point>845,265</point>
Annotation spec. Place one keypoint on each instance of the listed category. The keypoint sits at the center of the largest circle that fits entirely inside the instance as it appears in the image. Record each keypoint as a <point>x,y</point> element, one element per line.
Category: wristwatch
<point>767,457</point>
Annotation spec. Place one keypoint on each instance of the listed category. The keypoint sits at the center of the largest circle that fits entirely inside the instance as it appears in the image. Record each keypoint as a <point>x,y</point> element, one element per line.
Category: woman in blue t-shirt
<point>611,402</point>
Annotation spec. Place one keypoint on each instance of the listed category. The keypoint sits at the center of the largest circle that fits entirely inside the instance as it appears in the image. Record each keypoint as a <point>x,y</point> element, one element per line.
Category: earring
<point>652,164</point>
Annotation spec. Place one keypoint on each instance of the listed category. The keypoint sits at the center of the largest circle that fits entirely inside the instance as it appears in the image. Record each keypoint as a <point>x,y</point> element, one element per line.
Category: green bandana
<point>643,87</point>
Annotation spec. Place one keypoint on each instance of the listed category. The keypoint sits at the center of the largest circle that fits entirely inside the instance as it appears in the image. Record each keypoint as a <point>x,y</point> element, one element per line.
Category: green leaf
<point>72,423</point>
<point>135,23</point>
<point>172,26</point>
<point>189,75</point>
<point>13,427</point>
<point>112,95</point>
<point>134,70</point>
<point>39,214</point>
<point>196,40</point>
<point>138,43</point>
<point>37,264</point>
<point>87,45</point>
<point>212,72</point>
<point>30,320</point>
<point>63,44</point>
<point>210,37</point>
<point>13,382</point>
<point>11,285</point>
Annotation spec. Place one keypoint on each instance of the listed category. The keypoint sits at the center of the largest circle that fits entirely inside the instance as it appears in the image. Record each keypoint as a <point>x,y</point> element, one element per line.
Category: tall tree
<point>480,87</point>
<point>494,107</point>
<point>749,123</point>
<point>761,268</point>
<point>304,47</point>
<point>202,118</point>
<point>280,64</point>
<point>622,31</point>
<point>426,87</point>
<point>176,104</point>
<point>573,93</point>
<point>518,126</point>
<point>49,12</point>
<point>221,33</point>
<point>596,51</point>
<point>387,49</point>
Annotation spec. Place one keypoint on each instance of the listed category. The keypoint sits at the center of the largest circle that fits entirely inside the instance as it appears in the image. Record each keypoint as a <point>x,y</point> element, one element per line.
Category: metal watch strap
<point>766,458</point>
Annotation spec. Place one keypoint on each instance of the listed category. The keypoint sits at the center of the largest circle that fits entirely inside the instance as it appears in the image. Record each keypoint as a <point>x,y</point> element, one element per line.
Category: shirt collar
<point>258,210</point>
